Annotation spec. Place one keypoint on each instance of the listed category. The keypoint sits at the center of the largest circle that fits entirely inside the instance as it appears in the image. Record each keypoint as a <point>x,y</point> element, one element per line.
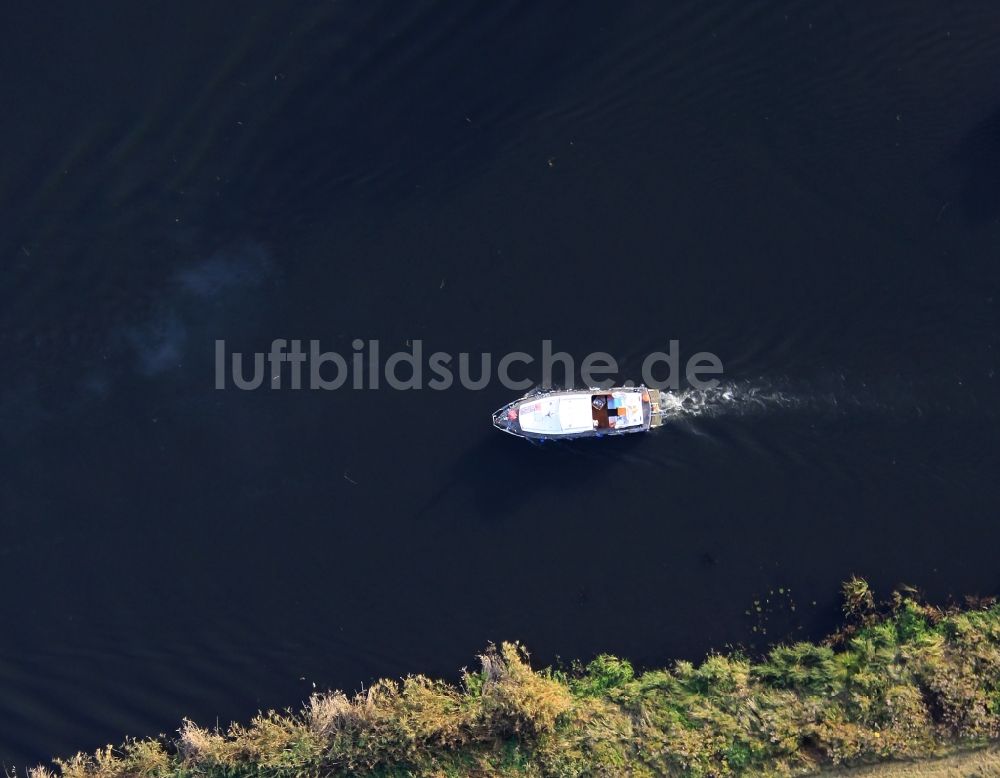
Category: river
<point>810,193</point>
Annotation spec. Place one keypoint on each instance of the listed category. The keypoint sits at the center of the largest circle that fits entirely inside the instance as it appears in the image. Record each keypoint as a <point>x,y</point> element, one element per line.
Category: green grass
<point>904,680</point>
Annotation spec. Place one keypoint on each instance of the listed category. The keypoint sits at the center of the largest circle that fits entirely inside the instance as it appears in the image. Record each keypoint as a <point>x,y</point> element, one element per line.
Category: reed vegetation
<point>902,680</point>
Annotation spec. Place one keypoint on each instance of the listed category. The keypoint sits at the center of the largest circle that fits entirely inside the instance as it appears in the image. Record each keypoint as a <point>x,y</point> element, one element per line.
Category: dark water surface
<point>813,195</point>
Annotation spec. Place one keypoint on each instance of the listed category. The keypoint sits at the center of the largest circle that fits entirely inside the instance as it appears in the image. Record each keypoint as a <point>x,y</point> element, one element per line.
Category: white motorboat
<point>582,413</point>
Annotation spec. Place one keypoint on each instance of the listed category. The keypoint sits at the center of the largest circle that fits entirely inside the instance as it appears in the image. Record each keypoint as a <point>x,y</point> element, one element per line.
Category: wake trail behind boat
<point>894,397</point>
<point>731,398</point>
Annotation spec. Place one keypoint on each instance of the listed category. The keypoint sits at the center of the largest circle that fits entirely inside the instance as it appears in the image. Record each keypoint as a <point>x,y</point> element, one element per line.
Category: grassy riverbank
<point>902,681</point>
<point>977,763</point>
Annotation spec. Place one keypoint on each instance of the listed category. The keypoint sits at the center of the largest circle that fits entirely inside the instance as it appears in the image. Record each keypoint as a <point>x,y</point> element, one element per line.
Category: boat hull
<point>584,413</point>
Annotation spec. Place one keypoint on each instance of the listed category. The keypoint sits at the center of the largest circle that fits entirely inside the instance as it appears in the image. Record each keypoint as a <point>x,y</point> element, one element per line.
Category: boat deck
<point>602,414</point>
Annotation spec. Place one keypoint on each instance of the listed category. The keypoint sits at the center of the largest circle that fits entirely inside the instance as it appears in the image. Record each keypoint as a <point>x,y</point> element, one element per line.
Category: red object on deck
<point>512,413</point>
